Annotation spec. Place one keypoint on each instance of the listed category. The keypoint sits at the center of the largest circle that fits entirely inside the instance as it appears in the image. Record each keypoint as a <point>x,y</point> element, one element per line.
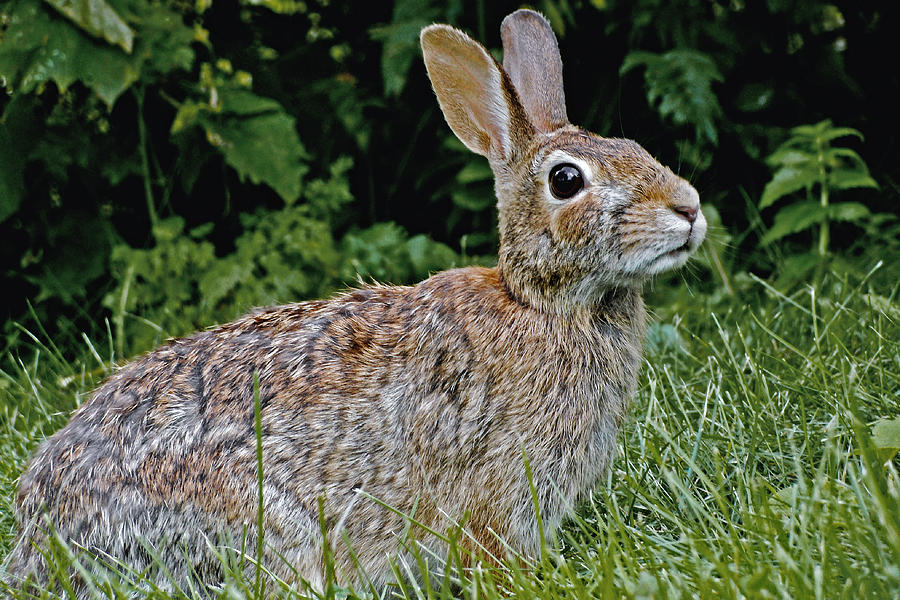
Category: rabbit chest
<point>498,382</point>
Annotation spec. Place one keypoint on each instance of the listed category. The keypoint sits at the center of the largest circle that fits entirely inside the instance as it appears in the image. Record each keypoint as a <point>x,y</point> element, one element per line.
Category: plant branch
<point>145,160</point>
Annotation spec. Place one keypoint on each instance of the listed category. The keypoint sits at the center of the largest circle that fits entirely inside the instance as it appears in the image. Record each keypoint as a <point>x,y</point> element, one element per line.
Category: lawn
<point>758,459</point>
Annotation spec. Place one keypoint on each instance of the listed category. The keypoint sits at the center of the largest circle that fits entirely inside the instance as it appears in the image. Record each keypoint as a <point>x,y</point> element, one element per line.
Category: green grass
<point>748,467</point>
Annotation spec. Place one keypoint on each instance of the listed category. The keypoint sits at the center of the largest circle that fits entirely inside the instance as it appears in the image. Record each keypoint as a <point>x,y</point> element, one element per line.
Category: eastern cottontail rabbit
<point>424,397</point>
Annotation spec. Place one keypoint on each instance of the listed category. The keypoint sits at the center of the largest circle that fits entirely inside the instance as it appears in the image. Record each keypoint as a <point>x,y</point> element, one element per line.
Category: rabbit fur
<point>424,397</point>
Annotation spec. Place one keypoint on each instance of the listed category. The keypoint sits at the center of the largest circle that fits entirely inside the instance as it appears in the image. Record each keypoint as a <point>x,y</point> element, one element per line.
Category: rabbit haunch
<point>424,394</point>
<point>423,397</point>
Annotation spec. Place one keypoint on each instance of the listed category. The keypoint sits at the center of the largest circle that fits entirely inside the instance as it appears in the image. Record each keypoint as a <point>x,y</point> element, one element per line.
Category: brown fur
<point>424,397</point>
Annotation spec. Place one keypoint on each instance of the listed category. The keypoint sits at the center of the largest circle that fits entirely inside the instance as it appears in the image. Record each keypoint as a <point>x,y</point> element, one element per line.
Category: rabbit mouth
<point>680,252</point>
<point>670,259</point>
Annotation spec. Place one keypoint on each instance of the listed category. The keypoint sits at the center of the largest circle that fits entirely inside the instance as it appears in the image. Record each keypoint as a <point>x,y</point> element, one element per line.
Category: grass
<point>754,463</point>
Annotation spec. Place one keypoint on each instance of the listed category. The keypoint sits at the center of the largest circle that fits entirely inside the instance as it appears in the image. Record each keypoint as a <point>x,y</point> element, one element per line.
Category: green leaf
<point>473,200</point>
<point>812,131</point>
<point>793,218</point>
<point>475,170</point>
<point>282,7</point>
<point>637,59</point>
<point>848,211</point>
<point>833,155</point>
<point>788,156</point>
<point>397,55</point>
<point>244,102</point>
<point>39,46</point>
<point>428,256</point>
<point>886,433</point>
<point>846,179</point>
<point>249,143</point>
<point>679,84</point>
<point>838,132</point>
<point>786,181</point>
<point>98,19</point>
<point>401,41</point>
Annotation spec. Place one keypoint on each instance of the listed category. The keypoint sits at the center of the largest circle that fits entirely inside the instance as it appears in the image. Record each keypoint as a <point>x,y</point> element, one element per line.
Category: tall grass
<point>747,468</point>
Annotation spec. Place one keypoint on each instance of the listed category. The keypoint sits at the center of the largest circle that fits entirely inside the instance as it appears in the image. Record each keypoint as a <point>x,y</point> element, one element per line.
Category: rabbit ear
<point>476,96</point>
<point>531,58</point>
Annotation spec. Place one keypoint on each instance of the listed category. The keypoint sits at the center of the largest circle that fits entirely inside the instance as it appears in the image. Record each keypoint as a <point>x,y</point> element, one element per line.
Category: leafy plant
<point>400,38</point>
<point>807,163</point>
<point>241,125</point>
<point>679,85</point>
<point>180,284</point>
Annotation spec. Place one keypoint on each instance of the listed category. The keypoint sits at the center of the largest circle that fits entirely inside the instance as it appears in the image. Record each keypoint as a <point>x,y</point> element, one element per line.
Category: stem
<point>823,228</point>
<point>119,316</point>
<point>823,198</point>
<point>720,269</point>
<point>145,161</point>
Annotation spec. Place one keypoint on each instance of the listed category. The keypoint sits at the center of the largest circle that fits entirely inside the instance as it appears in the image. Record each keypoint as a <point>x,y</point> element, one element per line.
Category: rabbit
<point>429,398</point>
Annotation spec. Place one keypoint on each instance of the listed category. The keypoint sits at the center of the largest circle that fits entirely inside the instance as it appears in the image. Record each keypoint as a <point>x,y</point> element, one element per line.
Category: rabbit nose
<point>688,212</point>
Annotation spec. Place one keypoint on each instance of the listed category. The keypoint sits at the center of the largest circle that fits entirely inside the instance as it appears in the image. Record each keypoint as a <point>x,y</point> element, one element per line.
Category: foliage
<point>807,160</point>
<point>679,84</point>
<point>132,118</point>
<point>400,38</point>
<point>242,126</point>
<point>180,284</point>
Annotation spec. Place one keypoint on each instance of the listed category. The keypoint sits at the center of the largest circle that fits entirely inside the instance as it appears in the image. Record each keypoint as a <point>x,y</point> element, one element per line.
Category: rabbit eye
<point>565,181</point>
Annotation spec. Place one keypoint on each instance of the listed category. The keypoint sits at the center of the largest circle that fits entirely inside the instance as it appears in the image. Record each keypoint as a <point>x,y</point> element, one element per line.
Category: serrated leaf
<point>843,180</point>
<point>848,211</point>
<point>679,84</point>
<point>834,154</point>
<point>264,148</point>
<point>98,19</point>
<point>788,156</point>
<point>786,181</point>
<point>38,46</point>
<point>792,219</point>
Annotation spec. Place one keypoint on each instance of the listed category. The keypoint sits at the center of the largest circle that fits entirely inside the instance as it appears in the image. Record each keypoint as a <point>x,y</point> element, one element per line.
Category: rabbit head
<point>579,214</point>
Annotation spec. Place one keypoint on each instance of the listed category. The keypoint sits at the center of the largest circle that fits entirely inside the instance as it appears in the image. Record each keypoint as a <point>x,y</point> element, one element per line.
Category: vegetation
<point>167,164</point>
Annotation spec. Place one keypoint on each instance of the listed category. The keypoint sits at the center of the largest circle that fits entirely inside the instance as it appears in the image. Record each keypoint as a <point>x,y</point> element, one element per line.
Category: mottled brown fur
<point>424,397</point>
